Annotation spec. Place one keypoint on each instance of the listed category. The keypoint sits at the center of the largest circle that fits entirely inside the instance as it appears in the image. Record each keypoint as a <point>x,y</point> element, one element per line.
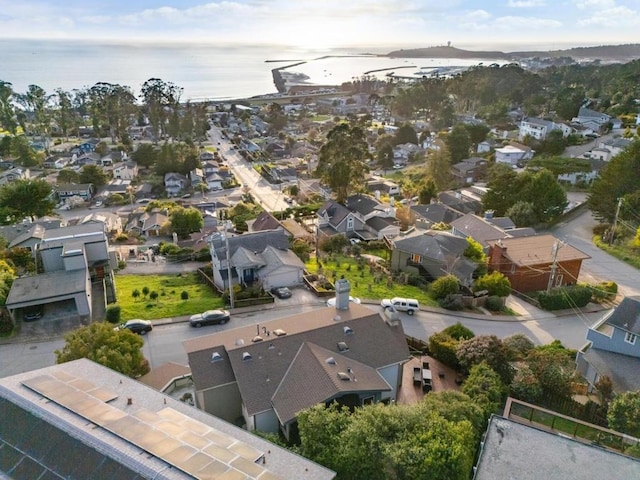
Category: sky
<point>480,24</point>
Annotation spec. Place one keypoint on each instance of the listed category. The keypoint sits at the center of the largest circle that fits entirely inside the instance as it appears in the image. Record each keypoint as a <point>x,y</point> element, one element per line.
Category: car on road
<point>354,241</point>
<point>31,314</point>
<point>98,203</point>
<point>409,305</point>
<point>210,317</point>
<point>186,195</point>
<point>332,301</point>
<point>281,292</point>
<point>136,326</point>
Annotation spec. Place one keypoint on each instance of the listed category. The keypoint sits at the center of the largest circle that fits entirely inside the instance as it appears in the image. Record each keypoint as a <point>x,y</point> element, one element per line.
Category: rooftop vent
<point>246,356</point>
<point>271,347</point>
<point>331,361</point>
<point>278,332</point>
<point>348,330</point>
<point>216,357</point>
<point>344,377</point>
<point>343,347</point>
<point>257,339</point>
<point>239,342</point>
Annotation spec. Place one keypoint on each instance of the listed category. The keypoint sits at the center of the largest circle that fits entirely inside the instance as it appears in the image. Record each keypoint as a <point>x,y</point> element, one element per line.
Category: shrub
<point>603,290</point>
<point>517,346</point>
<point>459,332</point>
<point>485,348</point>
<point>333,244</point>
<point>443,347</point>
<point>495,283</point>
<point>122,237</point>
<point>565,297</point>
<point>601,228</point>
<point>444,286</point>
<point>113,314</point>
<point>451,302</point>
<point>184,295</point>
<point>494,303</point>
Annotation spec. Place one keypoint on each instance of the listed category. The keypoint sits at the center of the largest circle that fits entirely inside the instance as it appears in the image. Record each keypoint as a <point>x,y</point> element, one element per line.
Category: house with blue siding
<point>613,348</point>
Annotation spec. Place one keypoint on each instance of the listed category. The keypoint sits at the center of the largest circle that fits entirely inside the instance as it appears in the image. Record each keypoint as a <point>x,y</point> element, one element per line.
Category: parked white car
<point>409,305</point>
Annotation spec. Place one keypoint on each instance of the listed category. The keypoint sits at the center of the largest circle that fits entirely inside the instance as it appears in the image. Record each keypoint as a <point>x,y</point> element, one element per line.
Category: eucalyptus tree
<point>8,119</point>
<point>160,99</point>
<point>37,101</point>
<point>64,113</point>
<point>111,106</point>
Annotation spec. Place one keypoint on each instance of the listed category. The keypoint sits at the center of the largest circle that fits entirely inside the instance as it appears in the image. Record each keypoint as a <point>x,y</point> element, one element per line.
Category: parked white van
<point>409,305</point>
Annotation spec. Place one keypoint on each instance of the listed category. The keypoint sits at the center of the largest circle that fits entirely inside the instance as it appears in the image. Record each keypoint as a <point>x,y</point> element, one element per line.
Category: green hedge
<point>443,347</point>
<point>565,297</point>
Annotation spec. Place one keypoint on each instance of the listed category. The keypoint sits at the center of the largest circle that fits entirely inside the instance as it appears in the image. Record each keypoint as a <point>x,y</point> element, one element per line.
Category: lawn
<point>169,302</point>
<point>363,282</point>
<point>622,252</point>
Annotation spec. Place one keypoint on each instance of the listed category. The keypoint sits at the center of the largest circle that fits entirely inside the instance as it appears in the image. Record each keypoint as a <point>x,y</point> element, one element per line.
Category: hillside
<point>604,52</point>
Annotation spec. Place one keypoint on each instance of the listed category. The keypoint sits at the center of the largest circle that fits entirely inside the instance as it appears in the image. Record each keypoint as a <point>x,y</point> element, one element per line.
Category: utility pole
<point>226,241</point>
<point>554,263</point>
<point>615,222</point>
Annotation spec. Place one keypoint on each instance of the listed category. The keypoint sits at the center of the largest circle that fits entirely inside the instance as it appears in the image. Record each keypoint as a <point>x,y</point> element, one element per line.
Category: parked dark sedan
<point>31,314</point>
<point>137,326</point>
<point>281,292</point>
<point>210,317</point>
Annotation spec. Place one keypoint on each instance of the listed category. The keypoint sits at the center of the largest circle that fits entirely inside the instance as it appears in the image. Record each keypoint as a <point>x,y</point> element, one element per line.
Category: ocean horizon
<point>203,71</point>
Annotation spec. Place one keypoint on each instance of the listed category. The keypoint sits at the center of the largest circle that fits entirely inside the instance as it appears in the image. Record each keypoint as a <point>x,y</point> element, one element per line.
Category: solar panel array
<point>187,444</point>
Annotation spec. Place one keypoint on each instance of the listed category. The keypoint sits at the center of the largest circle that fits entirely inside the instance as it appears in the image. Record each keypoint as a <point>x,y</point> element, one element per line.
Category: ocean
<point>204,71</point>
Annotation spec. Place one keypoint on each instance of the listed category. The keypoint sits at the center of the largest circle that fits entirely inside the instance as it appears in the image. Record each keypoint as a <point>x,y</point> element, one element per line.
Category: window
<point>416,258</point>
<point>630,338</point>
<point>350,224</point>
<point>368,400</point>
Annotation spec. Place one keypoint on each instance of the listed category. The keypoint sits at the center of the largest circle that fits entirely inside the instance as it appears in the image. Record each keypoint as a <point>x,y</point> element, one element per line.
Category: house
<point>588,176</point>
<point>514,154</point>
<point>531,263</point>
<point>210,167</point>
<point>428,215</point>
<point>591,118</point>
<point>613,348</point>
<point>403,151</point>
<point>469,170</point>
<point>127,170</point>
<point>82,420</point>
<point>196,177</point>
<point>59,161</point>
<point>262,257</point>
<point>146,223</point>
<point>477,228</point>
<point>214,182</point>
<point>360,217</point>
<point>112,222</point>
<point>432,254</point>
<point>539,128</point>
<point>67,190</point>
<point>461,201</point>
<point>27,235</point>
<point>383,186</point>
<point>90,158</point>
<point>264,221</point>
<point>486,146</point>
<point>615,146</point>
<point>78,264</point>
<point>88,146</point>
<point>512,449</point>
<point>266,374</point>
<point>174,183</point>
<point>118,186</point>
<point>14,174</point>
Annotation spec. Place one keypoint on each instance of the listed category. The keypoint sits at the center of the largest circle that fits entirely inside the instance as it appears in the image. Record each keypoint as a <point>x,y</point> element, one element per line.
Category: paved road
<point>578,232</point>
<point>577,150</point>
<point>269,196</point>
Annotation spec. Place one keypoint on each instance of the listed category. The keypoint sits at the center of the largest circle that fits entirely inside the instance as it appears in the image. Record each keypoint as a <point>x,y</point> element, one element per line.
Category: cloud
<point>595,4</point>
<point>526,3</point>
<point>614,17</point>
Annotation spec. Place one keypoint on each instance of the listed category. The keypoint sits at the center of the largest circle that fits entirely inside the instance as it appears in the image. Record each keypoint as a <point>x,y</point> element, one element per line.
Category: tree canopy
<point>25,198</point>
<point>342,160</point>
<point>185,221</point>
<point>624,413</point>
<point>119,350</point>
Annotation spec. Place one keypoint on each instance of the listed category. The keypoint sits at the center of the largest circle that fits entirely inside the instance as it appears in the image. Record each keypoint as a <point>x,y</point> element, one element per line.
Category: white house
<point>174,183</point>
<point>513,154</point>
<point>127,170</point>
<point>539,128</point>
<point>590,118</point>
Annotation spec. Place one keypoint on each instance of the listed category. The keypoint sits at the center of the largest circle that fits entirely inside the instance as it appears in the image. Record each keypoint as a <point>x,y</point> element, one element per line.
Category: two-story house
<point>67,190</point>
<point>539,128</point>
<point>14,174</point>
<point>432,254</point>
<point>360,217</point>
<point>469,170</point>
<point>262,256</point>
<point>267,373</point>
<point>78,266</point>
<point>591,118</point>
<point>127,170</point>
<point>613,348</point>
<point>174,183</point>
<point>531,263</point>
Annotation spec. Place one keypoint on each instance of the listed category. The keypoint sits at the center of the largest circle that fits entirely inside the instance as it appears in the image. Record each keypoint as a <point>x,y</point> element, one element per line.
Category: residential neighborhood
<point>352,269</point>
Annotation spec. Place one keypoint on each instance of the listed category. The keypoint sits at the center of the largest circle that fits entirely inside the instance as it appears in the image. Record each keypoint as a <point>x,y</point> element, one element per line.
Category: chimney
<point>488,215</point>
<point>342,294</point>
<point>377,194</point>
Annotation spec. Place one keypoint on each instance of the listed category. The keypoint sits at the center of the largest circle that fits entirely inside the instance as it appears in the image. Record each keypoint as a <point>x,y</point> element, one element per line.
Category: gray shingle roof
<point>477,228</point>
<point>336,212</point>
<point>380,223</point>
<point>254,242</point>
<point>621,369</point>
<point>46,287</point>
<point>513,450</point>
<point>432,244</point>
<point>311,379</point>
<point>265,221</point>
<point>626,316</point>
<point>373,343</point>
<point>435,213</point>
<point>362,204</point>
